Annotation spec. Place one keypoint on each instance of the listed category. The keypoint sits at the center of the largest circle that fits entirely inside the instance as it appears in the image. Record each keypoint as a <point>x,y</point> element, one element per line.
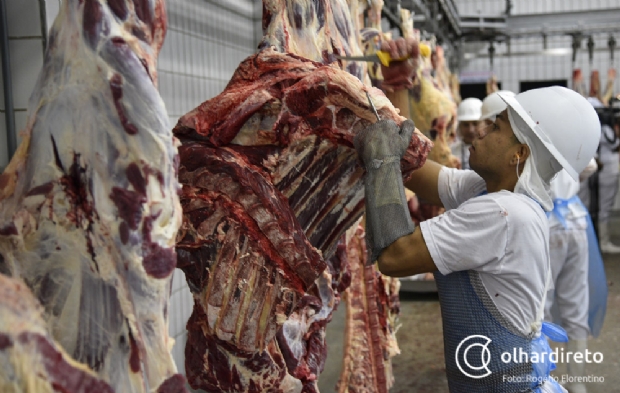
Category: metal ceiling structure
<point>441,19</point>
<point>498,28</point>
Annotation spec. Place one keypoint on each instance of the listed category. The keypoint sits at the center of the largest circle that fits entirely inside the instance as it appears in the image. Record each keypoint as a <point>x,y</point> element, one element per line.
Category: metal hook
<point>372,106</point>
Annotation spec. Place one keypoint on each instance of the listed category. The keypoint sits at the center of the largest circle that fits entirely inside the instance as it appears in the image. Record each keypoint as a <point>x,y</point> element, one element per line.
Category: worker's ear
<point>520,155</point>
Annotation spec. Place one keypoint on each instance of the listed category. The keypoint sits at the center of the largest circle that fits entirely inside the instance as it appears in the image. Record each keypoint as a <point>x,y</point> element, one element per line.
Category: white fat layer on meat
<point>94,287</point>
<point>24,365</point>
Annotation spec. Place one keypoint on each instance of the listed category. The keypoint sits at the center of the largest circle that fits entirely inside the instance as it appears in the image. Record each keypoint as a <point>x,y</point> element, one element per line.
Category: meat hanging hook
<point>373,106</point>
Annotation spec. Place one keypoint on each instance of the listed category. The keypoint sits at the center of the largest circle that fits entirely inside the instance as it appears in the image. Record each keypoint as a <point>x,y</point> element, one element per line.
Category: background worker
<point>468,117</point>
<point>578,299</point>
<point>607,180</point>
<point>489,251</point>
<point>493,105</point>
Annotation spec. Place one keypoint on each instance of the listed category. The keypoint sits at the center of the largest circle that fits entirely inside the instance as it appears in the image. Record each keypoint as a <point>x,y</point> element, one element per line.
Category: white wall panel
<point>26,64</point>
<point>26,60</point>
<point>23,18</point>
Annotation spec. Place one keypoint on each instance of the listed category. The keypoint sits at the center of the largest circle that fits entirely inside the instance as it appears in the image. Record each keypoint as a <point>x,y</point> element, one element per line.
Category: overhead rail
<point>502,27</point>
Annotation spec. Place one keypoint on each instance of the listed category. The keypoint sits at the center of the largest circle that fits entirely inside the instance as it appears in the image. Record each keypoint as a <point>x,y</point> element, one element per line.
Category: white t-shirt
<point>503,236</point>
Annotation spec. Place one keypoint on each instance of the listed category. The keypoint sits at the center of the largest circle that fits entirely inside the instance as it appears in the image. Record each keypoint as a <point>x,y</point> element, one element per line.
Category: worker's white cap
<point>563,122</point>
<point>469,110</point>
<point>493,105</point>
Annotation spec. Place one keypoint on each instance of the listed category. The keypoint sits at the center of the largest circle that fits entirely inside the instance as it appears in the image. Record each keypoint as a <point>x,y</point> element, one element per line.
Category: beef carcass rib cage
<point>270,182</point>
<point>89,208</point>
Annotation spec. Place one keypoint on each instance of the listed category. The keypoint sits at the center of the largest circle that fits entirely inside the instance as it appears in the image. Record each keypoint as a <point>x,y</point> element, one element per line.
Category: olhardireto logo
<point>473,357</point>
<point>474,349</point>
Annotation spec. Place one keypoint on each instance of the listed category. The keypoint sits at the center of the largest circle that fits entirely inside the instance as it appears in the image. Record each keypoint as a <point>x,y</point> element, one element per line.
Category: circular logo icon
<point>477,350</point>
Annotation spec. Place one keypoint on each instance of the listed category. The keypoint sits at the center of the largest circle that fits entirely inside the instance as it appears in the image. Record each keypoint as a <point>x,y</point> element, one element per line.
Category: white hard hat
<point>469,109</point>
<point>564,122</point>
<point>493,105</point>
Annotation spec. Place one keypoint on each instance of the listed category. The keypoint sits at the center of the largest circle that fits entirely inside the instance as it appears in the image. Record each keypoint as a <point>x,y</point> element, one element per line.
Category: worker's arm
<point>425,182</point>
<point>399,76</point>
<point>380,147</point>
<point>400,100</point>
<point>407,256</point>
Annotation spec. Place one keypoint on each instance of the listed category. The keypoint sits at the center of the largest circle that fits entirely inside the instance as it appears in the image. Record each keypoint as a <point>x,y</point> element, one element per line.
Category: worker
<point>607,178</point>
<point>578,299</point>
<point>571,260</point>
<point>493,105</point>
<point>489,250</point>
<point>468,117</point>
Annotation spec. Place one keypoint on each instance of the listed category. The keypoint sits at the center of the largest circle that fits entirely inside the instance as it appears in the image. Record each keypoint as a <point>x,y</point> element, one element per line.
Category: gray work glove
<point>381,147</point>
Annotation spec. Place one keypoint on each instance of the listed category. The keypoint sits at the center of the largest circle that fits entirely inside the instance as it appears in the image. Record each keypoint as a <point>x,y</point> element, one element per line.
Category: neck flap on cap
<point>530,182</point>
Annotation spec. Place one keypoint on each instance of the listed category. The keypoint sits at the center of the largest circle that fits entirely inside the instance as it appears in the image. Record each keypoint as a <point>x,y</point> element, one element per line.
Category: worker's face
<point>494,146</point>
<point>468,130</point>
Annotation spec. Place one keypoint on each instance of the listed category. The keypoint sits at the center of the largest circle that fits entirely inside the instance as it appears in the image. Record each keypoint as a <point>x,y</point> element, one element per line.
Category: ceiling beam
<point>499,28</point>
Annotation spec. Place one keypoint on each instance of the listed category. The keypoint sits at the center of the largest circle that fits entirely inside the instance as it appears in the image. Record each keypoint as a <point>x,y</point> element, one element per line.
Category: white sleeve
<point>472,237</point>
<point>456,186</point>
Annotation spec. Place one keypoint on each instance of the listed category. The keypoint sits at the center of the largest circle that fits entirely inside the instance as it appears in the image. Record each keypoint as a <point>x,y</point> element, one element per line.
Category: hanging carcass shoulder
<point>91,195</point>
<point>270,182</point>
<point>271,158</point>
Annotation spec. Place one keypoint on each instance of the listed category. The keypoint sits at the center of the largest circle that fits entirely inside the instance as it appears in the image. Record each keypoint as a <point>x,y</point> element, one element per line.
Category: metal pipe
<point>43,18</point>
<point>9,114</point>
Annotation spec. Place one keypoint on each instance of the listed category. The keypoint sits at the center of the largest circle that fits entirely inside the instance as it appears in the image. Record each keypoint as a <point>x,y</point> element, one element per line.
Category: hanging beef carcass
<point>370,333</point>
<point>270,182</point>
<point>316,29</point>
<point>88,205</point>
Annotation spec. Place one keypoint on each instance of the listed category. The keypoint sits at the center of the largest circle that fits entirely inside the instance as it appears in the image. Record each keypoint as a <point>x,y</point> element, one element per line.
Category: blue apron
<point>597,282</point>
<point>484,352</point>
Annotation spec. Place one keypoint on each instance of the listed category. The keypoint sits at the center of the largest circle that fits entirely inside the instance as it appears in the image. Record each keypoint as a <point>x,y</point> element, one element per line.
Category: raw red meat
<point>270,182</point>
<point>88,205</point>
<point>372,310</point>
